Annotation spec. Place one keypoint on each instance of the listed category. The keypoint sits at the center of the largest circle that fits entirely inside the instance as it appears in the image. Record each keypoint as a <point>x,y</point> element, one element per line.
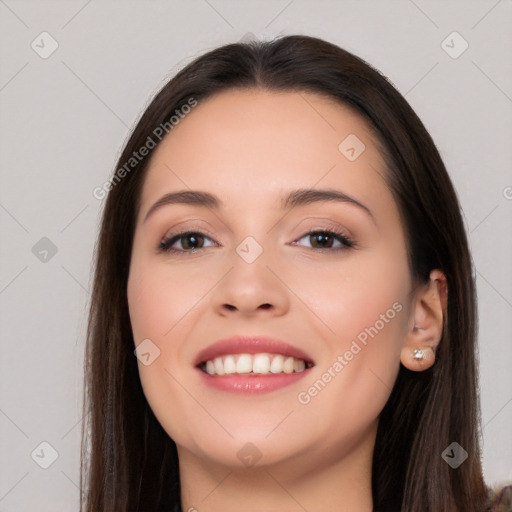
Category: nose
<point>251,289</point>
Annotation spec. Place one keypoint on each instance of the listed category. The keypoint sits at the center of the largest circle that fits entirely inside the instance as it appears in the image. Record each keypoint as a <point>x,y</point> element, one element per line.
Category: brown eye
<point>321,240</point>
<point>184,242</point>
<point>327,240</point>
<point>192,241</point>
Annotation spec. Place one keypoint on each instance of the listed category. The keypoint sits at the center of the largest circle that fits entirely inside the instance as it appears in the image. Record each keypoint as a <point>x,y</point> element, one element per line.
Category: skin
<point>250,148</point>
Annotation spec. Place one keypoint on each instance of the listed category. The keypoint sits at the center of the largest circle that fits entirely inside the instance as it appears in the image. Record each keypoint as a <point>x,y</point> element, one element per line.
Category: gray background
<point>64,120</point>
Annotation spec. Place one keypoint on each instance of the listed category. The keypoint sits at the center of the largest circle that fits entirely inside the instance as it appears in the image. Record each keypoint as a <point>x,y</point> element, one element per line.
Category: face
<point>322,278</point>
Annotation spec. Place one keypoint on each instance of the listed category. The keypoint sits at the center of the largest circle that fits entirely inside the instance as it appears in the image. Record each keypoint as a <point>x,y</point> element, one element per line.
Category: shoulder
<point>501,498</point>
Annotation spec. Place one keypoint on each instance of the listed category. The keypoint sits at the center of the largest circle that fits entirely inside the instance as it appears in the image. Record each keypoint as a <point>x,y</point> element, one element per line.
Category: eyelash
<point>167,243</point>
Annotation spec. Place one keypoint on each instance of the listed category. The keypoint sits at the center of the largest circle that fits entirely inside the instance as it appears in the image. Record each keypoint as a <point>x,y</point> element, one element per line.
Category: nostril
<point>262,306</point>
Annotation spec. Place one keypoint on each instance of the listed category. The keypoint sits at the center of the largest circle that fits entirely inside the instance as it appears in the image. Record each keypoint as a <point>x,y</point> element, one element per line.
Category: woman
<point>283,314</point>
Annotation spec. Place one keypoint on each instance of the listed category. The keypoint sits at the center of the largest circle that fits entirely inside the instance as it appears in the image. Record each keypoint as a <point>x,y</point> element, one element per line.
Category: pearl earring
<point>418,354</point>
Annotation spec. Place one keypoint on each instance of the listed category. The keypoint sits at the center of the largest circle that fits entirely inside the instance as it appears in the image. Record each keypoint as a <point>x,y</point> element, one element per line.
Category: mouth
<point>254,364</point>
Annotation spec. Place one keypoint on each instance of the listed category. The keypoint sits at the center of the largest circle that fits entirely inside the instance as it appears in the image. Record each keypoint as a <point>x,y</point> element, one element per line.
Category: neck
<point>317,482</point>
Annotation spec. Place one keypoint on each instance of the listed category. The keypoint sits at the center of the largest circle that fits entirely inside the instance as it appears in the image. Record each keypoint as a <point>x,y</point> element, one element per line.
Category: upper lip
<point>250,345</point>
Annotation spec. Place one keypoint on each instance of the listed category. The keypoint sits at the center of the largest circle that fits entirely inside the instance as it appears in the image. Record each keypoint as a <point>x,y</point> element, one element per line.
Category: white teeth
<point>277,364</point>
<point>244,364</point>
<point>288,365</point>
<point>262,364</point>
<point>229,364</point>
<point>219,366</point>
<point>210,368</point>
<point>299,365</point>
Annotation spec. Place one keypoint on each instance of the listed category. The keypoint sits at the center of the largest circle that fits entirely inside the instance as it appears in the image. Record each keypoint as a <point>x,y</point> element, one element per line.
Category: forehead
<point>254,144</point>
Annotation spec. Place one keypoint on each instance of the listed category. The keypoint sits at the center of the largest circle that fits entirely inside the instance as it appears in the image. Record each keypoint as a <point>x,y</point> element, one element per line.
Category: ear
<point>426,323</point>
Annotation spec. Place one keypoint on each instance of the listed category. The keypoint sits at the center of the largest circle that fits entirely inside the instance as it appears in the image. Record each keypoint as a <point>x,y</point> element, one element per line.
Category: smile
<point>251,364</point>
<point>254,364</point>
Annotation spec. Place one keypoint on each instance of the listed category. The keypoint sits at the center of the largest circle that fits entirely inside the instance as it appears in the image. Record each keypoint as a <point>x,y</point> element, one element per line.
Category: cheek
<point>162,304</point>
<point>355,293</point>
<point>161,299</point>
<point>362,303</point>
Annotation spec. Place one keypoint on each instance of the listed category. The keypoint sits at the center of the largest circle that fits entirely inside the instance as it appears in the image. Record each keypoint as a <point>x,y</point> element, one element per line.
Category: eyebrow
<point>294,199</point>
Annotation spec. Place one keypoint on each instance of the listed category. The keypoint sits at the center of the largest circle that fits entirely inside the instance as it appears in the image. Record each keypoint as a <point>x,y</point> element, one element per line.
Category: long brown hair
<point>129,463</point>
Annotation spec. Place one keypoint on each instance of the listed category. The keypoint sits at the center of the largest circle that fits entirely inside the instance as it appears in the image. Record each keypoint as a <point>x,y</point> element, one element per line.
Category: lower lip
<point>251,384</point>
